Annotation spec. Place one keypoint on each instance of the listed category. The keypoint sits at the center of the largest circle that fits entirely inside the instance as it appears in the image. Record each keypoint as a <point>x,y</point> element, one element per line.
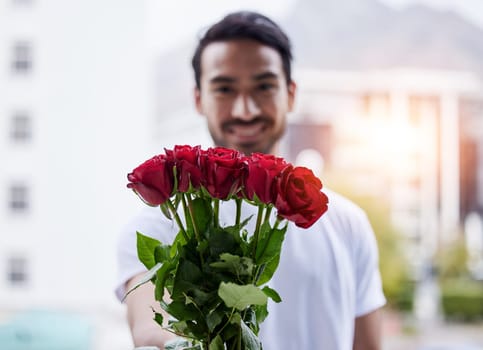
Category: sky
<point>470,9</point>
<point>186,17</point>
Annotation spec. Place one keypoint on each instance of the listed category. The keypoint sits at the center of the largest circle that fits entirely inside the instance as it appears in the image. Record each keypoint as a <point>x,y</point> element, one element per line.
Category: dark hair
<point>245,25</point>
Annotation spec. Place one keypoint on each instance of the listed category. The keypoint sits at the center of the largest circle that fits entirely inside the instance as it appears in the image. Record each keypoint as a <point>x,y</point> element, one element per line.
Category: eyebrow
<point>227,80</point>
<point>265,75</point>
<point>222,79</point>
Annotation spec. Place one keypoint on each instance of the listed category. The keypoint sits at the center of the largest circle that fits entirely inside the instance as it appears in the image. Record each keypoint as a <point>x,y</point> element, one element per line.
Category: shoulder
<point>342,213</point>
<point>340,203</point>
<point>348,224</point>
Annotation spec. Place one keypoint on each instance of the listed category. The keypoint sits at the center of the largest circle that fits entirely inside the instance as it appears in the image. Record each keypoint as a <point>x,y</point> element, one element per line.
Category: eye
<point>266,87</point>
<point>223,89</point>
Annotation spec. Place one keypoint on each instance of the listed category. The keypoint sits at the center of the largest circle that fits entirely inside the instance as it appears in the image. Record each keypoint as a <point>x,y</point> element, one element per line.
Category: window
<point>17,270</point>
<point>19,198</point>
<point>22,2</point>
<point>22,57</point>
<point>21,127</point>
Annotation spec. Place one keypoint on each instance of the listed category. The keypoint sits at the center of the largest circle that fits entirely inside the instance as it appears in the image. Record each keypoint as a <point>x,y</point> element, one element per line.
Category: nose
<point>245,107</point>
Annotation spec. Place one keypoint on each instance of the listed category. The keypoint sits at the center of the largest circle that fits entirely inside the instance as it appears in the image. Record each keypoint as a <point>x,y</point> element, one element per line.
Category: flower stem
<point>177,218</point>
<point>267,213</point>
<point>277,222</point>
<point>257,231</point>
<point>187,213</point>
<point>239,343</point>
<point>195,228</point>
<point>216,212</point>
<point>226,324</point>
<point>191,215</point>
<point>238,211</point>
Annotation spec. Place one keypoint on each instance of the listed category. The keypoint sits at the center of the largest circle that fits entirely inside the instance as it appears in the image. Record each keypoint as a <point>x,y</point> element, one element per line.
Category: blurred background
<point>389,113</point>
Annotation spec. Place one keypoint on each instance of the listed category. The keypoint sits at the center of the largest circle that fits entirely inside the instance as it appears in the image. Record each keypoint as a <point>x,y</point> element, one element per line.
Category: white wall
<point>88,94</point>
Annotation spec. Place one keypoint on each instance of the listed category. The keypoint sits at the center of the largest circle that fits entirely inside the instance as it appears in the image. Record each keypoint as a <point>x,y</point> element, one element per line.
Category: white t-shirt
<point>328,274</point>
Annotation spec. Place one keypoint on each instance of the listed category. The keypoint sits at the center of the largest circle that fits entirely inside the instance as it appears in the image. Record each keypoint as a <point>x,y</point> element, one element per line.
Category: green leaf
<point>217,344</point>
<point>261,312</point>
<point>178,242</point>
<point>162,253</point>
<point>158,317</point>
<point>240,266</point>
<point>236,319</point>
<point>161,276</point>
<point>221,242</point>
<point>188,277</point>
<point>214,318</point>
<point>250,319</point>
<point>181,311</point>
<point>145,278</point>
<point>202,297</point>
<point>177,344</point>
<point>246,221</point>
<point>236,229</point>
<point>202,246</point>
<point>271,293</point>
<point>179,327</point>
<point>249,339</point>
<point>189,300</point>
<point>203,213</point>
<point>145,247</point>
<point>270,243</point>
<point>240,297</point>
<point>165,210</point>
<point>268,271</point>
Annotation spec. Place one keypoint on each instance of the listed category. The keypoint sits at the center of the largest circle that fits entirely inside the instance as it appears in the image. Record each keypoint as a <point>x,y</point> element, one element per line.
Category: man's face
<point>244,95</point>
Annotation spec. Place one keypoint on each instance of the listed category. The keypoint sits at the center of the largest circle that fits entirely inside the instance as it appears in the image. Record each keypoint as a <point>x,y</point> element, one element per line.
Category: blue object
<point>46,330</point>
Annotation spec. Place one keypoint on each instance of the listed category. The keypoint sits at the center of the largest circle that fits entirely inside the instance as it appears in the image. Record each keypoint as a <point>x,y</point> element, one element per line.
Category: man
<point>328,275</point>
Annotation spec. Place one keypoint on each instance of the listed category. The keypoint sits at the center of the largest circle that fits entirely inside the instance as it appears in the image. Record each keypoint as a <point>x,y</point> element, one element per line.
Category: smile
<point>247,132</point>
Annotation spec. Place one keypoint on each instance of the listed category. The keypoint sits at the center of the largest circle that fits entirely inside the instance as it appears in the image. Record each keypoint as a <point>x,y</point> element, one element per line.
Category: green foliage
<point>217,344</point>
<point>451,261</point>
<point>462,299</point>
<point>145,247</point>
<point>267,270</point>
<point>271,293</point>
<point>180,344</point>
<point>270,243</point>
<point>249,339</point>
<point>241,297</point>
<point>461,296</point>
<point>213,276</point>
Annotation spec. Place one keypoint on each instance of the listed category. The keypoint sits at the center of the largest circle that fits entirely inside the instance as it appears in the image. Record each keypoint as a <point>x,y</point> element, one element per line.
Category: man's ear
<point>197,96</point>
<point>291,90</point>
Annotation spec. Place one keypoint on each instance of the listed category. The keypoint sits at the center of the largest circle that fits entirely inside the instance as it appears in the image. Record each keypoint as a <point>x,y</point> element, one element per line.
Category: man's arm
<point>140,304</point>
<point>367,333</point>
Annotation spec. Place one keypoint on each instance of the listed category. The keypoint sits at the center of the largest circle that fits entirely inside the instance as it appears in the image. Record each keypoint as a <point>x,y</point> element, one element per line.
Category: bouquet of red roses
<point>213,273</point>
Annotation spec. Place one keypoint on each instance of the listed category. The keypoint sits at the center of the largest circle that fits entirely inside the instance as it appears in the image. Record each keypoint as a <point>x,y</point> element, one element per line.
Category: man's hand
<point>140,304</point>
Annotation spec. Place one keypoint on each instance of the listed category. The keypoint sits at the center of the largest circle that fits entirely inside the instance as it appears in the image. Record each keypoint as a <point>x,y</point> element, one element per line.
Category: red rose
<point>298,196</point>
<point>153,180</point>
<point>223,170</point>
<point>186,161</point>
<point>262,171</point>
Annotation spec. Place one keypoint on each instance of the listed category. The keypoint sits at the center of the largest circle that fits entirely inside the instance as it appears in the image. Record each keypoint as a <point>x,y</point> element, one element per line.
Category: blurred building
<point>410,137</point>
<point>73,81</point>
